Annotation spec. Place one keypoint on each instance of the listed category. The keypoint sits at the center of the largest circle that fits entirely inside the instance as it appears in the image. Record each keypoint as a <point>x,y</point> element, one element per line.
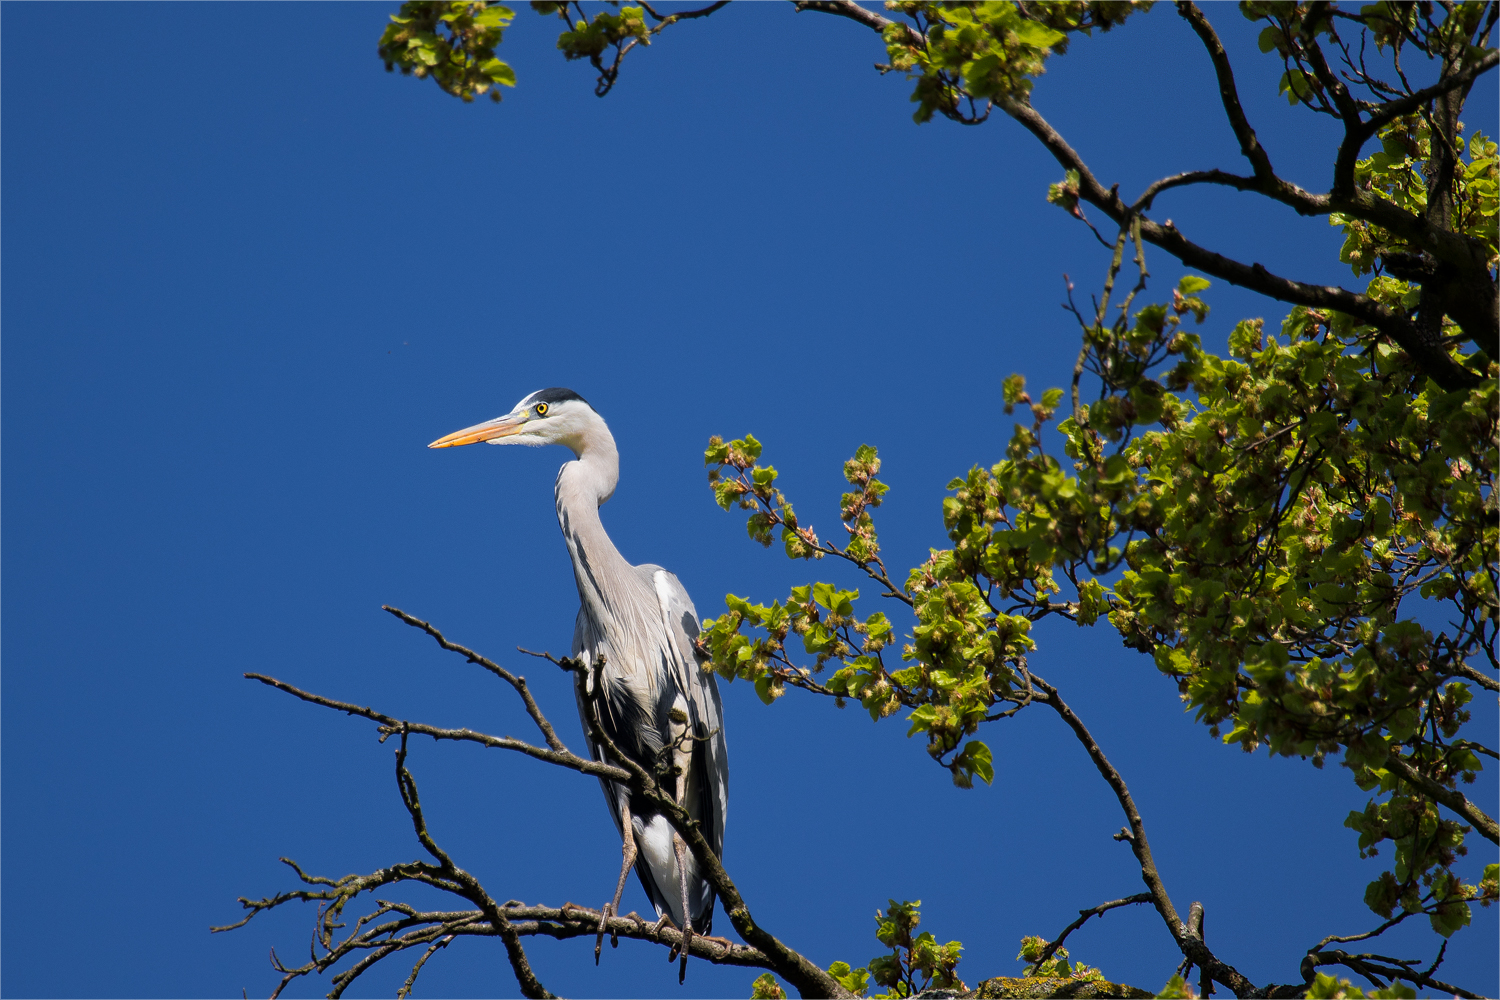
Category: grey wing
<point>588,641</point>
<point>705,708</point>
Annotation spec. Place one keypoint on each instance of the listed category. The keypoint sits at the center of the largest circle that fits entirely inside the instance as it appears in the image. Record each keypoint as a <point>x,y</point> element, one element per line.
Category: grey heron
<point>657,698</point>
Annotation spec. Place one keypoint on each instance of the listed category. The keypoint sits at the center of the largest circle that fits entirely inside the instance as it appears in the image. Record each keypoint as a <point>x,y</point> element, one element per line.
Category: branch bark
<point>765,950</point>
<point>1478,317</point>
<point>1189,943</point>
<point>1452,798</point>
<point>806,977</point>
<point>1083,916</point>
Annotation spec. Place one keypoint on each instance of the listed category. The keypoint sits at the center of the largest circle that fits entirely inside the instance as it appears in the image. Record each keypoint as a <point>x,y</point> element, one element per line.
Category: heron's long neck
<point>582,485</point>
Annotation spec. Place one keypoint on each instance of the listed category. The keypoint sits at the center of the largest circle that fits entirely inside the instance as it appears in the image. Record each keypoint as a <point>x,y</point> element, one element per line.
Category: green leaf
<point>1012,389</point>
<point>499,72</point>
<point>975,759</point>
<point>768,688</point>
<point>1039,35</point>
<point>766,987</point>
<point>1176,989</point>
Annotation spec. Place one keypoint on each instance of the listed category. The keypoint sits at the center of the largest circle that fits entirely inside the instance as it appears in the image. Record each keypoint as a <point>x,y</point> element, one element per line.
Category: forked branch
<point>1474,309</point>
<point>395,927</point>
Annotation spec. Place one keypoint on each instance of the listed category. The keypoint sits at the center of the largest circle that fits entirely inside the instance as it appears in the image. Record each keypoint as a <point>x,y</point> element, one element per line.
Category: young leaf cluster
<point>959,653</point>
<point>452,42</point>
<point>1275,528</point>
<point>1057,966</point>
<point>962,55</point>
<point>917,962</point>
<point>1396,173</point>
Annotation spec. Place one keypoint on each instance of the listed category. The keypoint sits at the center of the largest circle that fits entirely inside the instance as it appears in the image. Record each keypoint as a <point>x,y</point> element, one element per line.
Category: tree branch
<point>848,8</point>
<point>1452,798</point>
<point>1484,680</point>
<point>390,725</point>
<point>1083,916</point>
<point>687,15</point>
<point>1381,117</point>
<point>1143,203</point>
<point>1250,145</point>
<point>1363,964</point>
<point>1431,357</point>
<point>1191,945</point>
<point>805,976</point>
<point>519,683</point>
<point>765,951</point>
<point>469,886</point>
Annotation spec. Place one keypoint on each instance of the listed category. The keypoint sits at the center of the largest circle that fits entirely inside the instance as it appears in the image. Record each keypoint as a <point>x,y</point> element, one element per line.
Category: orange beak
<point>498,428</point>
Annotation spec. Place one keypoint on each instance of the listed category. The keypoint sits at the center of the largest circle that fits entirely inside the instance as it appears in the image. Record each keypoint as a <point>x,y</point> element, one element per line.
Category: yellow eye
<point>541,409</point>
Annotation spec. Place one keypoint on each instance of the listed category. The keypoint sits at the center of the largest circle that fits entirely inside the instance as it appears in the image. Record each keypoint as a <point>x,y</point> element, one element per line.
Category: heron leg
<point>684,761</point>
<point>627,851</point>
<point>687,921</point>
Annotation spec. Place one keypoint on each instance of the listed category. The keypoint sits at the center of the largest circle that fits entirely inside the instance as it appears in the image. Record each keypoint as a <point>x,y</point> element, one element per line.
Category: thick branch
<point>1382,116</point>
<point>1449,797</point>
<point>1484,680</point>
<point>851,10</point>
<point>1431,357</point>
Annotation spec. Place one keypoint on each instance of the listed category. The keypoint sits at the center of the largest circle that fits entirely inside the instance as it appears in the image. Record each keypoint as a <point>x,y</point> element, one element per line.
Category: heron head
<point>547,416</point>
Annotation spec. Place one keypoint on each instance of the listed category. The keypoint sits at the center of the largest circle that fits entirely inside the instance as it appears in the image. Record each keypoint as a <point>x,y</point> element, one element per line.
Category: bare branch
<point>686,15</point>
<point>411,980</point>
<point>1430,355</point>
<point>765,950</point>
<point>1191,945</point>
<point>1083,916</point>
<point>1389,112</point>
<point>519,683</point>
<point>1433,358</point>
<point>1250,145</point>
<point>1334,939</point>
<point>390,726</point>
<point>1143,203</point>
<point>854,12</point>
<point>1395,969</point>
<point>469,886</point>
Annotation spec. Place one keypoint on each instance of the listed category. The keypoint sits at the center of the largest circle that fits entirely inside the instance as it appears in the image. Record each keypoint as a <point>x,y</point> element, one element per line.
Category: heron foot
<point>607,911</point>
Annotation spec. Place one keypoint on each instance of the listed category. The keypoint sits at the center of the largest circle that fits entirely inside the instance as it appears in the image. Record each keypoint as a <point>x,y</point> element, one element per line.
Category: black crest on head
<point>555,395</point>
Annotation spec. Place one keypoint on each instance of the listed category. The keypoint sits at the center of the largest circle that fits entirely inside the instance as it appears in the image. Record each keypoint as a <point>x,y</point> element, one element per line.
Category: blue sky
<point>249,276</point>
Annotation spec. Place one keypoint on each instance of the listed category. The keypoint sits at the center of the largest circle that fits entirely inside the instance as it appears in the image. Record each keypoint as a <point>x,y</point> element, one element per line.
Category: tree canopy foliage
<point>1300,536</point>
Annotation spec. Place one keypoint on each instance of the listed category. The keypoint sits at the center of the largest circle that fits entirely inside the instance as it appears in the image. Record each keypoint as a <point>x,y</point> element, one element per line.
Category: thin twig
<point>519,683</point>
<point>1083,916</point>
